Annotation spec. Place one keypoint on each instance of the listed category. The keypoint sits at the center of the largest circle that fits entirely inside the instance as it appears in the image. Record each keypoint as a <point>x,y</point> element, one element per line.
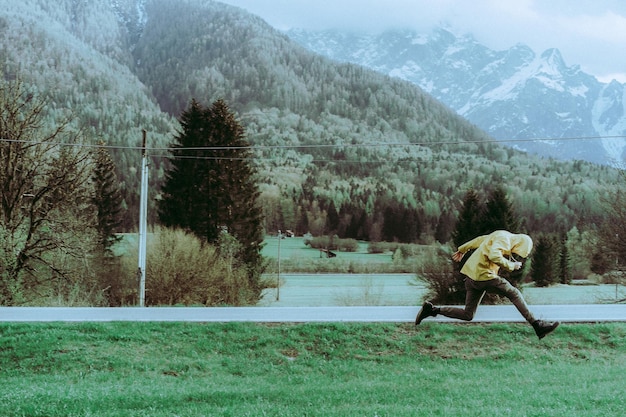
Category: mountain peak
<point>513,93</point>
<point>554,58</point>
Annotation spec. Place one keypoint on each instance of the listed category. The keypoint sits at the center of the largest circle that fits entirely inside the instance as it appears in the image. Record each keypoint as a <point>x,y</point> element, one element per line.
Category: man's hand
<point>457,256</point>
<point>517,265</point>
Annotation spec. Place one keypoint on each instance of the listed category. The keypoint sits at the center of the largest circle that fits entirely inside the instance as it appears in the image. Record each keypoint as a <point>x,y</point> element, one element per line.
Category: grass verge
<point>337,369</point>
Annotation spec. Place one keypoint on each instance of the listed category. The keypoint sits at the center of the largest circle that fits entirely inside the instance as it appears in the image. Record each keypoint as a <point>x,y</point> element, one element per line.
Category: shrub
<point>117,277</point>
<point>333,243</point>
<point>614,277</point>
<point>348,245</point>
<point>323,242</point>
<point>442,281</point>
<point>378,247</point>
<point>180,269</point>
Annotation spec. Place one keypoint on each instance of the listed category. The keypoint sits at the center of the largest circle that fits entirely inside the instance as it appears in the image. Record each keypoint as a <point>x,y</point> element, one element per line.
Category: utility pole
<point>143,223</point>
<point>280,236</point>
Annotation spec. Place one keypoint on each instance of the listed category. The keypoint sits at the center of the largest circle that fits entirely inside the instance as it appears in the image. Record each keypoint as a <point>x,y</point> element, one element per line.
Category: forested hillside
<point>78,56</point>
<point>336,145</point>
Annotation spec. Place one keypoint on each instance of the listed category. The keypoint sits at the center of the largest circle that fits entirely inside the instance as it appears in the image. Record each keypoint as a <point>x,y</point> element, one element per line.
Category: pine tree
<point>545,262</point>
<point>468,226</point>
<point>181,204</point>
<point>499,214</point>
<point>391,215</point>
<point>564,269</point>
<point>211,186</point>
<point>409,228</point>
<point>444,227</point>
<point>107,198</point>
<point>332,219</point>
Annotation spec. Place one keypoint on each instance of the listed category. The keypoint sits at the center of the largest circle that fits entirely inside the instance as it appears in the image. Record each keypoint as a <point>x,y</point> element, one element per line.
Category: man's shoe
<point>427,310</point>
<point>544,328</point>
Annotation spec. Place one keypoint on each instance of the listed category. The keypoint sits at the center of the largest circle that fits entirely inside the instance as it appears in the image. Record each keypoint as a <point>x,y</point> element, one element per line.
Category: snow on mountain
<point>608,119</point>
<point>533,102</point>
<point>132,14</point>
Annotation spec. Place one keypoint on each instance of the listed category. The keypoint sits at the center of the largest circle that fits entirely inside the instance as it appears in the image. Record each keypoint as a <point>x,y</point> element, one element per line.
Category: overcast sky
<point>590,33</point>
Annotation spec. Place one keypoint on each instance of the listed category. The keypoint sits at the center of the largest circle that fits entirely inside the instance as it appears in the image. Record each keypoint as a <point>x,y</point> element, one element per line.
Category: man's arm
<point>457,256</point>
<point>462,250</point>
<point>472,244</point>
<point>496,254</point>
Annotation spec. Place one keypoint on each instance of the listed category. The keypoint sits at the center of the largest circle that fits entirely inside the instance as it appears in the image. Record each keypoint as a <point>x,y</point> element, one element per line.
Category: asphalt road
<point>398,314</point>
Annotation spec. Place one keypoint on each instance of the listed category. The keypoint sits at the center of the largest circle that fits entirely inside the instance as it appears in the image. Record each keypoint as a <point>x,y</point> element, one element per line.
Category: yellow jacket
<point>491,252</point>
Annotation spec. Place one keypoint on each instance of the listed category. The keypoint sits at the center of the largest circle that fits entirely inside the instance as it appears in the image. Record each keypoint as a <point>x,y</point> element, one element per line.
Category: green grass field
<point>342,369</point>
<point>296,257</point>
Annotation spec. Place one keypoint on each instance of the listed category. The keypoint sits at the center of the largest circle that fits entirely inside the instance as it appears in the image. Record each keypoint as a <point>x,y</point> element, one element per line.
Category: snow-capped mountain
<point>533,102</point>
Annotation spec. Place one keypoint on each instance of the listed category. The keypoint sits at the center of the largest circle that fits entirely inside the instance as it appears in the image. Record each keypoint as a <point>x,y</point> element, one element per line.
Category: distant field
<point>290,249</point>
<point>293,248</point>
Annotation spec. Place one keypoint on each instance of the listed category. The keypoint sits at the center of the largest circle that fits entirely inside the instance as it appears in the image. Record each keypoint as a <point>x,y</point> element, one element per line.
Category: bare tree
<point>45,207</point>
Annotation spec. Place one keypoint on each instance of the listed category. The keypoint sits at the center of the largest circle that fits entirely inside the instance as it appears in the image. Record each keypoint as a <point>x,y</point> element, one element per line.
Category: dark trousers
<point>475,290</point>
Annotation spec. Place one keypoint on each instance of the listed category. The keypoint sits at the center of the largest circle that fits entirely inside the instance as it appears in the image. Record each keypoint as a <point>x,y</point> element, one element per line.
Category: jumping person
<point>481,270</point>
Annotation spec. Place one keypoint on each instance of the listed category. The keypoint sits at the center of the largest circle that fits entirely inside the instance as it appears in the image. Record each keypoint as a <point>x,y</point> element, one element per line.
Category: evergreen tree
<point>468,226</point>
<point>107,198</point>
<point>390,223</point>
<point>302,226</point>
<point>499,214</point>
<point>599,263</point>
<point>211,186</point>
<point>545,262</point>
<point>564,269</point>
<point>409,229</point>
<point>332,219</point>
<point>182,204</point>
<point>445,227</point>
<point>356,229</point>
<point>401,224</point>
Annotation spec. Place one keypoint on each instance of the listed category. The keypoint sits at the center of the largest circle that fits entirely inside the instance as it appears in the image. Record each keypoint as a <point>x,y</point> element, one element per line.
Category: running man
<point>492,252</point>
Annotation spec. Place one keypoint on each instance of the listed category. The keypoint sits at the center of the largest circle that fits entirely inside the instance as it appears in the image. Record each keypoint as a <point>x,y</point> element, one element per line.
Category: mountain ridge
<point>512,94</point>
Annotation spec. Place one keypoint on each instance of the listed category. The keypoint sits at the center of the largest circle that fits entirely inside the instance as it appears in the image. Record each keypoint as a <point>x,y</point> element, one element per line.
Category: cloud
<point>587,32</point>
<point>610,27</point>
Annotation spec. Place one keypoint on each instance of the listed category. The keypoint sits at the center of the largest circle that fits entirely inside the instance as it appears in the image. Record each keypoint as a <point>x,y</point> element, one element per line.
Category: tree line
<point>61,211</point>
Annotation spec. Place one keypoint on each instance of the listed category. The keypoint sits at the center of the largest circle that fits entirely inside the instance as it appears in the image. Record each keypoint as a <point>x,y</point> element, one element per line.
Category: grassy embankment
<point>245,369</point>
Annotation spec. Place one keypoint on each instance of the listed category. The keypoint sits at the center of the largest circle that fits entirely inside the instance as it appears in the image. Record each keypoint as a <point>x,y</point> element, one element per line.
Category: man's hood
<point>522,245</point>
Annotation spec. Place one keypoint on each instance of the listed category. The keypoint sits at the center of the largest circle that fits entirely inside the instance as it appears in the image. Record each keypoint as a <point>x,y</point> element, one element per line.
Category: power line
<point>311,146</point>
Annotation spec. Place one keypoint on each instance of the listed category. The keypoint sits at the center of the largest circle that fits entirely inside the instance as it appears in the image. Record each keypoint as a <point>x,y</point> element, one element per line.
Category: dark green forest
<point>339,149</point>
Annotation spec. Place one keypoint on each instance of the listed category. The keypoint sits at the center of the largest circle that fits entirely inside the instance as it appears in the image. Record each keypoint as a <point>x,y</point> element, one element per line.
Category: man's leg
<point>503,287</point>
<point>473,295</point>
